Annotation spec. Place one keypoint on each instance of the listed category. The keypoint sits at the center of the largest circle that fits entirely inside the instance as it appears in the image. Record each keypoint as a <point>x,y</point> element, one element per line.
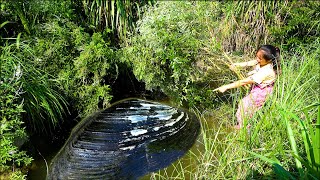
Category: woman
<point>262,79</point>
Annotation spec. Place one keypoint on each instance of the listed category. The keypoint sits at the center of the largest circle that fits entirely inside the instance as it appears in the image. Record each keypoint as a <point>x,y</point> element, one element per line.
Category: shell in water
<point>128,140</point>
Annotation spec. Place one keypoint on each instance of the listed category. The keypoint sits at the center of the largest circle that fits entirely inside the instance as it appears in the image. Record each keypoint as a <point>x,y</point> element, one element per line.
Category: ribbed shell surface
<point>126,141</point>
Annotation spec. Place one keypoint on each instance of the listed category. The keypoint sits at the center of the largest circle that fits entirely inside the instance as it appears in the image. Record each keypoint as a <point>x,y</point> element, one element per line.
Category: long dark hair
<point>271,53</point>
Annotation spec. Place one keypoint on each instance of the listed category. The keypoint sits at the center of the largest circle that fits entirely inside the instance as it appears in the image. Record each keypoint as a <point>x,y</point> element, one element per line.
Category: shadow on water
<point>44,147</point>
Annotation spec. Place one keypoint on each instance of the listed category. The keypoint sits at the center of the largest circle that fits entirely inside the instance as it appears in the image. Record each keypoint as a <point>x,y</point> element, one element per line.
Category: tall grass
<point>296,96</point>
<point>283,141</point>
<point>44,106</point>
<point>216,155</point>
<point>280,127</point>
<point>246,24</point>
<point>118,16</point>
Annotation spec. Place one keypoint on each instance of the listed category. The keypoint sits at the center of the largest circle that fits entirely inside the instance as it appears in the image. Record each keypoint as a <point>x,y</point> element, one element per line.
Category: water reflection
<point>126,141</point>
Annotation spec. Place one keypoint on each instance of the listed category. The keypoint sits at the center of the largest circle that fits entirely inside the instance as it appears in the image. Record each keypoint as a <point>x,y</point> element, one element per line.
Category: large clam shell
<point>128,140</point>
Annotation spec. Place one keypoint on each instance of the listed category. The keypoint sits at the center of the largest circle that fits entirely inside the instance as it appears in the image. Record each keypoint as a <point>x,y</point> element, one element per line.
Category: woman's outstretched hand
<point>221,89</point>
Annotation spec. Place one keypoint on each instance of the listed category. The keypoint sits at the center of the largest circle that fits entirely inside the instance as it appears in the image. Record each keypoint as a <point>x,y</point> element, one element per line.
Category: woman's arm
<point>245,64</point>
<point>236,84</point>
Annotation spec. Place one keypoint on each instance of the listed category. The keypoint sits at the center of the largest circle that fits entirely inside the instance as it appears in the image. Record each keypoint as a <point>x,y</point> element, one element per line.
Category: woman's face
<point>261,60</point>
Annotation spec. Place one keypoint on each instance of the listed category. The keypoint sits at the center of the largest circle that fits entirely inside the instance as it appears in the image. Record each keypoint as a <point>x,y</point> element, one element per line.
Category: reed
<point>246,24</point>
<point>117,15</point>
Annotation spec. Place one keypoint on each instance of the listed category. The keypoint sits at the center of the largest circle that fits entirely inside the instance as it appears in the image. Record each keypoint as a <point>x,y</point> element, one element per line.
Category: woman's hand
<point>223,88</point>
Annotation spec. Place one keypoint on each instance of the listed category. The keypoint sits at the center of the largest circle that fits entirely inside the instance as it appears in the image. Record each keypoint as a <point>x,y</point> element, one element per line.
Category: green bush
<point>11,107</point>
<point>300,25</point>
<point>43,105</point>
<point>169,47</point>
<point>91,73</point>
<point>83,65</point>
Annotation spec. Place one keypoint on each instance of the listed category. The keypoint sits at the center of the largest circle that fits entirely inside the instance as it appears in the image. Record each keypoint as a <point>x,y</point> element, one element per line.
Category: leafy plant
<point>310,134</point>
<point>84,66</point>
<point>92,71</point>
<point>11,107</point>
<point>167,51</point>
<point>25,15</point>
<point>301,25</point>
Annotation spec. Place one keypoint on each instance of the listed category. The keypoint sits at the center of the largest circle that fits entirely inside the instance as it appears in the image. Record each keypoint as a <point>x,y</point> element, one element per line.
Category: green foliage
<point>167,47</point>
<point>84,66</point>
<point>39,11</point>
<point>11,107</point>
<point>58,61</point>
<point>301,24</point>
<point>44,106</point>
<point>57,43</point>
<point>25,15</point>
<point>17,175</point>
<point>118,16</point>
<point>310,134</point>
<point>92,71</point>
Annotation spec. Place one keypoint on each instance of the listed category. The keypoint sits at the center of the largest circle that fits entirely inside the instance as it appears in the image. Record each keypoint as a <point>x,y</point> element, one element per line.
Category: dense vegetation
<point>62,59</point>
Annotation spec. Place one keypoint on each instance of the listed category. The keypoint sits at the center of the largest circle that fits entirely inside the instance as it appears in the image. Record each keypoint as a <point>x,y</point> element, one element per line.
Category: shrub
<point>169,50</point>
<point>300,25</point>
<point>91,72</point>
<point>84,65</point>
<point>11,107</point>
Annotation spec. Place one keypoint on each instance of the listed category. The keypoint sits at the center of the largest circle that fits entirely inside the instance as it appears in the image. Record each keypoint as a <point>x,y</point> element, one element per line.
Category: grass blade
<point>292,141</point>
<point>280,171</point>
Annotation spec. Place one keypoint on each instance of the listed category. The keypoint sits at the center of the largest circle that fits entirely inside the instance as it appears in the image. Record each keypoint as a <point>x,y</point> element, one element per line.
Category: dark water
<point>129,140</point>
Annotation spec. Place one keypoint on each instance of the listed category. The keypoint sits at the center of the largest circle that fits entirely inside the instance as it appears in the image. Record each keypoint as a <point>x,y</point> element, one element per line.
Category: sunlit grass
<point>44,107</point>
<point>283,139</point>
<point>294,106</point>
